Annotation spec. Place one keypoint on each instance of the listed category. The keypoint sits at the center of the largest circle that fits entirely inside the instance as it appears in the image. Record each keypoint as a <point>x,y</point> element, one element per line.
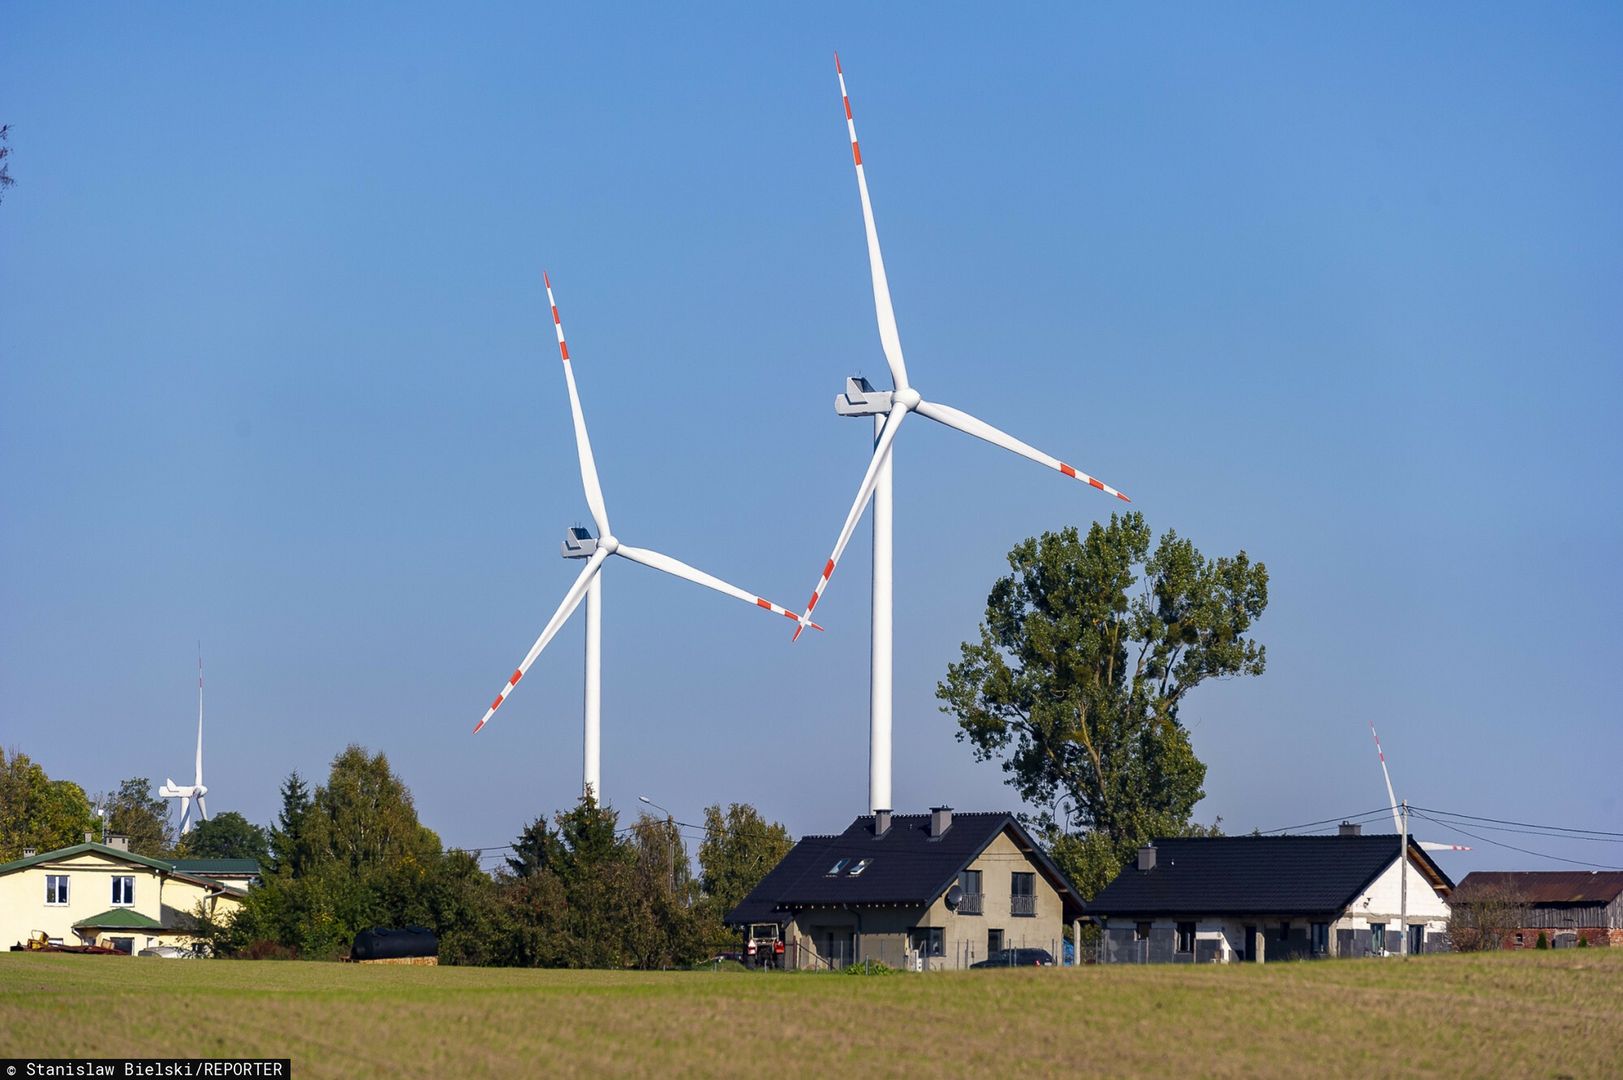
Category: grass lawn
<point>1526,1014</point>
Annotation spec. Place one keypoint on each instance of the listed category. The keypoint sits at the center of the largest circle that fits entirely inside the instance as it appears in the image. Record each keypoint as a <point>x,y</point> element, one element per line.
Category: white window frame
<point>129,901</point>
<point>51,883</point>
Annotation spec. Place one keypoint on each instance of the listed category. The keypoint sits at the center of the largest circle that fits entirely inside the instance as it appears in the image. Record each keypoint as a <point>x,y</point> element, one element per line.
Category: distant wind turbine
<point>196,790</point>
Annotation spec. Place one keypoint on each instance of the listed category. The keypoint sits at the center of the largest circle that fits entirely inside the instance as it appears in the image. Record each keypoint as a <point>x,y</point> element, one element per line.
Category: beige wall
<point>90,874</point>
<point>885,929</point>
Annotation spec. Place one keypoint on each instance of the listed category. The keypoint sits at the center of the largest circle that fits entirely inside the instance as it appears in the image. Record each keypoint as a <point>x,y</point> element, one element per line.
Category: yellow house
<point>104,894</point>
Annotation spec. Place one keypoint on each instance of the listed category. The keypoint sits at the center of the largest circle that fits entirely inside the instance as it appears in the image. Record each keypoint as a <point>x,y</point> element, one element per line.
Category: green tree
<point>36,811</point>
<point>289,851</point>
<point>536,849</point>
<point>133,811</point>
<point>738,850</point>
<point>364,815</point>
<point>226,836</point>
<point>1087,651</point>
<point>662,925</point>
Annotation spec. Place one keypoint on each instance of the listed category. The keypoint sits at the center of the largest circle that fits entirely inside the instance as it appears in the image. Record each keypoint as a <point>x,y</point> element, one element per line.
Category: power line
<point>1513,847</point>
<point>1330,821</point>
<point>1524,824</point>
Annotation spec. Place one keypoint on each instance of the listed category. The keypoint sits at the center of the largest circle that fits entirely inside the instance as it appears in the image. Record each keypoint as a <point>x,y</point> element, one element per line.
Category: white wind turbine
<point>196,790</point>
<point>580,544</point>
<point>1397,818</point>
<point>889,409</point>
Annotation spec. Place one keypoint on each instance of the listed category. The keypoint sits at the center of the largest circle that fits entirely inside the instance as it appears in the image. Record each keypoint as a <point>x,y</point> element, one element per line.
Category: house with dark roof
<point>1256,898</point>
<point>105,894</point>
<point>1564,905</point>
<point>936,890</point>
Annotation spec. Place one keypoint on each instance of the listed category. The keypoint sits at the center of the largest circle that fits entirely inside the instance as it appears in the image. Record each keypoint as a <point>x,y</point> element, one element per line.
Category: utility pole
<point>1403,886</point>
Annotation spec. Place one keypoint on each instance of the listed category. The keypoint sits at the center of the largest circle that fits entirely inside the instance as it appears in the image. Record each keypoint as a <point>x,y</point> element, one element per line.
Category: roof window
<point>860,867</point>
<point>834,871</point>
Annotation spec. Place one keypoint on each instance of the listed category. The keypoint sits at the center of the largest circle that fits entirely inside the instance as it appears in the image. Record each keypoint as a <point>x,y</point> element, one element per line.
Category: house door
<point>1417,940</point>
<point>1248,946</point>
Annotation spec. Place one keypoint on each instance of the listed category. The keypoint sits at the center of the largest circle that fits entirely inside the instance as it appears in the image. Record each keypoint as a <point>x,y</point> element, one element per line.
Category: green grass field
<point>1527,1014</point>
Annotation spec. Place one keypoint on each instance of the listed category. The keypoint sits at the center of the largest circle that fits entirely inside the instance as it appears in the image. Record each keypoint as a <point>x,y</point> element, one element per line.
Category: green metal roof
<point>217,866</point>
<point>119,919</point>
<point>180,869</point>
<point>80,849</point>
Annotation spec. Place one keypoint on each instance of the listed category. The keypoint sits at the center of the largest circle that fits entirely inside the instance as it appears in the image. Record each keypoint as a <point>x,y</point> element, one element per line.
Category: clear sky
<point>1342,286</point>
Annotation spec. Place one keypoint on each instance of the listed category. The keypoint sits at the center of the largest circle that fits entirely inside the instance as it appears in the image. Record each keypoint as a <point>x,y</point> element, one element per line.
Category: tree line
<point>576,889</point>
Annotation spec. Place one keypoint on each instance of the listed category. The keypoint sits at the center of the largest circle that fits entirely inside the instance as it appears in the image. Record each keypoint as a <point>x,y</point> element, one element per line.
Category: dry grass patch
<point>1523,1014</point>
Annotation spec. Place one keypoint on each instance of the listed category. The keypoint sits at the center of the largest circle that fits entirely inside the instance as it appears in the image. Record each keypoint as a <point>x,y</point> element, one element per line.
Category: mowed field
<point>1527,1014</point>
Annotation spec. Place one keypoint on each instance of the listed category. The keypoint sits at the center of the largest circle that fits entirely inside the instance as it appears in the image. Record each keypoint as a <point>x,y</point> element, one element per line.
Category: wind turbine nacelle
<point>578,543</point>
<point>861,399</point>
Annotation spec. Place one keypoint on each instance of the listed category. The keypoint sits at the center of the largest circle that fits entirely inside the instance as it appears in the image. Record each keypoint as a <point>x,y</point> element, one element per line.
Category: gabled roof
<point>1258,875</point>
<point>1552,886</point>
<point>119,854</point>
<point>119,919</point>
<point>80,849</point>
<point>908,866</point>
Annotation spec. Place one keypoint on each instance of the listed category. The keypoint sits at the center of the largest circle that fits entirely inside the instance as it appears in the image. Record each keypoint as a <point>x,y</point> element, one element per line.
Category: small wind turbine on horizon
<point>1397,818</point>
<point>196,790</point>
<point>579,544</point>
<point>890,408</point>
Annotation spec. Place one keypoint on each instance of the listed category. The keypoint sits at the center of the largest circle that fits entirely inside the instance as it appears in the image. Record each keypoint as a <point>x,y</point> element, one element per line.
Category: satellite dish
<point>955,896</point>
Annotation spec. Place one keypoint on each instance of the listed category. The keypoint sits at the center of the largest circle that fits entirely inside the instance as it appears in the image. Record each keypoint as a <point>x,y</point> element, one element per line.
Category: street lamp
<point>670,819</point>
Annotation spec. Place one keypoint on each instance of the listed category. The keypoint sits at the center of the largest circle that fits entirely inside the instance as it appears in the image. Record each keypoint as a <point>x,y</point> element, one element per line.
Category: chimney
<point>881,823</point>
<point>29,853</point>
<point>940,821</point>
<point>1349,829</point>
<point>1146,857</point>
<point>122,843</point>
<point>90,837</point>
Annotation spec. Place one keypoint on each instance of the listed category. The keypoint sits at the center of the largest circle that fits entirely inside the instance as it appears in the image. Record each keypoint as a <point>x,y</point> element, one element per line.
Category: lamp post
<point>670,819</point>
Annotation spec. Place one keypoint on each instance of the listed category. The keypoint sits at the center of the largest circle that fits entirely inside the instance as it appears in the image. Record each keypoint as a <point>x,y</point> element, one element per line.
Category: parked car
<point>169,952</point>
<point>1017,958</point>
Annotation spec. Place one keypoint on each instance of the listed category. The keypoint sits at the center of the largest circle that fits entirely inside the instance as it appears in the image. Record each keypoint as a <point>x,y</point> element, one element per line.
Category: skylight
<point>834,871</point>
<point>860,867</point>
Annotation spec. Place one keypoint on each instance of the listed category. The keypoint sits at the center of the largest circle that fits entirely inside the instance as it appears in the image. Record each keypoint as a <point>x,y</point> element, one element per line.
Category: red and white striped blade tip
<point>545,279</point>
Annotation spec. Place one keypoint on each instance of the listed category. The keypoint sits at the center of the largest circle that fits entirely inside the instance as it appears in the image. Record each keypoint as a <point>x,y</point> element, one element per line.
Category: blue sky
<point>1336,286</point>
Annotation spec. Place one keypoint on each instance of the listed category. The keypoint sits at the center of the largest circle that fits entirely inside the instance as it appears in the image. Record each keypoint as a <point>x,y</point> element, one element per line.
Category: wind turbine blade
<point>889,338</point>
<point>680,569</point>
<point>881,452</point>
<point>969,425</point>
<point>185,813</point>
<point>1431,845</point>
<point>202,809</point>
<point>571,601</point>
<point>1392,799</point>
<point>583,445</point>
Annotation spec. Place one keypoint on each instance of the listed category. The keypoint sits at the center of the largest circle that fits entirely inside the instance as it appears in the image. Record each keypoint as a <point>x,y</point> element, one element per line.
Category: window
<point>929,940</point>
<point>970,882</point>
<point>1417,939</point>
<point>1022,894</point>
<point>994,942</point>
<point>1141,931</point>
<point>56,888</point>
<point>1321,939</point>
<point>834,871</point>
<point>860,867</point>
<point>1186,937</point>
<point>1377,938</point>
<point>125,945</point>
<point>123,890</point>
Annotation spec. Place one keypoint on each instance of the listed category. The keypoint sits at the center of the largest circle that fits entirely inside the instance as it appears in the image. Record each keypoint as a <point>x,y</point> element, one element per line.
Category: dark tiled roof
<point>1257,875</point>
<point>908,866</point>
<point>1552,886</point>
